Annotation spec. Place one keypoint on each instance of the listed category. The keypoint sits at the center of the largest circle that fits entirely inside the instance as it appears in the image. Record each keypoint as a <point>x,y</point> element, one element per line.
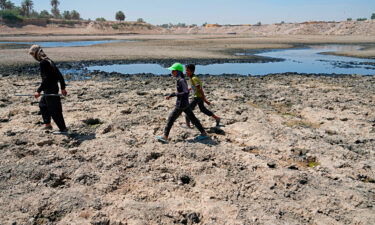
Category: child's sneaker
<point>162,139</point>
<point>61,132</point>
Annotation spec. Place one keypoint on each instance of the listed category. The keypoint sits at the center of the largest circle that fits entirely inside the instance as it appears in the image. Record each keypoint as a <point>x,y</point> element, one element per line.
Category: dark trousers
<point>176,113</point>
<point>50,106</point>
<point>200,103</point>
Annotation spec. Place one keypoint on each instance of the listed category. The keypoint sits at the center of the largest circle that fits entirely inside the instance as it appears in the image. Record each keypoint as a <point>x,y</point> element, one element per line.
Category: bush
<point>45,14</point>
<point>349,19</point>
<point>11,16</point>
<point>101,19</point>
<point>361,19</point>
<point>140,20</point>
<point>373,16</point>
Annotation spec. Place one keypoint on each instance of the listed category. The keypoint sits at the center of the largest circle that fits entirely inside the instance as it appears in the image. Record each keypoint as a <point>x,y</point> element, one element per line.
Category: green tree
<point>349,19</point>
<point>44,14</point>
<point>120,16</point>
<point>11,15</point>
<point>75,15</point>
<point>140,20</point>
<point>101,19</point>
<point>373,16</point>
<point>66,15</point>
<point>27,7</point>
<point>55,8</point>
<point>361,19</point>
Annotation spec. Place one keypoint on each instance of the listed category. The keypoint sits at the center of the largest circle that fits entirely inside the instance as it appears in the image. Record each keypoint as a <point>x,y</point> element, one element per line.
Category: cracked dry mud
<point>293,150</point>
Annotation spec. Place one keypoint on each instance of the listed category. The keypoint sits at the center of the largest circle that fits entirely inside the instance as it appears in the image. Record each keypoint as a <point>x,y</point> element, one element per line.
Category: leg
<point>44,111</point>
<point>171,119</point>
<point>208,112</point>
<point>55,110</point>
<point>192,106</point>
<point>194,120</point>
<point>204,109</point>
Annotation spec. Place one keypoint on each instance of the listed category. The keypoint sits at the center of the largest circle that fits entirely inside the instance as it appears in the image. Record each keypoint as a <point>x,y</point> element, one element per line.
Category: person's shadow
<point>209,141</point>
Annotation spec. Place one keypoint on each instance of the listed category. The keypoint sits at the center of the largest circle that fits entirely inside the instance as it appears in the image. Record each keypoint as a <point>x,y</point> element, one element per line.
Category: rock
<point>126,111</point>
<point>185,179</point>
<point>92,121</point>
<point>193,218</point>
<point>271,165</point>
<point>45,142</point>
<point>87,179</point>
<point>4,120</point>
<point>100,219</point>
<point>153,156</point>
<point>250,149</point>
<point>141,93</point>
<point>53,180</point>
<point>10,133</point>
<point>293,167</point>
<point>101,222</point>
<point>107,129</point>
<point>20,142</point>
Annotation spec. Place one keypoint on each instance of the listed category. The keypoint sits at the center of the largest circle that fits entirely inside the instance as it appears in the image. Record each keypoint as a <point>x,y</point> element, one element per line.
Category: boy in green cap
<point>199,97</point>
<point>182,105</point>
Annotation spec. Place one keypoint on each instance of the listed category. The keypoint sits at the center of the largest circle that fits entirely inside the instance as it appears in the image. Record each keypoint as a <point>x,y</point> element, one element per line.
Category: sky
<point>217,11</point>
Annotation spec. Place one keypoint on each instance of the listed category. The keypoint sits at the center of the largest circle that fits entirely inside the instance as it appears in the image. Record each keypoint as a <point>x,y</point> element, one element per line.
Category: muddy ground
<point>176,47</point>
<point>294,149</point>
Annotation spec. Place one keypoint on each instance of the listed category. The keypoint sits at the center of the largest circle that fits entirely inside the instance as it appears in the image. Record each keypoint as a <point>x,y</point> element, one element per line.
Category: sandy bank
<point>174,46</point>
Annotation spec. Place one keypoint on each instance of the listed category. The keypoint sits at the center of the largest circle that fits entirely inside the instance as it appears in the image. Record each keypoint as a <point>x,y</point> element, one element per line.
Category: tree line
<point>10,11</point>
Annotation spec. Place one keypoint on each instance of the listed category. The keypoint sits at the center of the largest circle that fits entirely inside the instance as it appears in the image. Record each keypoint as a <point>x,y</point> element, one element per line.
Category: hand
<point>36,94</point>
<point>64,92</point>
<point>207,102</point>
<point>168,97</point>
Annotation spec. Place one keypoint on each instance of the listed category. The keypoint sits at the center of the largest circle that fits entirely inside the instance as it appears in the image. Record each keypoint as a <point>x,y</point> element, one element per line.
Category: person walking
<point>50,106</point>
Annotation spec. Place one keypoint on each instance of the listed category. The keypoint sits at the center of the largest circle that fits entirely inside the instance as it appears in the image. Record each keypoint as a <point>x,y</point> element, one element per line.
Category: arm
<point>180,86</point>
<point>61,80</point>
<point>200,90</point>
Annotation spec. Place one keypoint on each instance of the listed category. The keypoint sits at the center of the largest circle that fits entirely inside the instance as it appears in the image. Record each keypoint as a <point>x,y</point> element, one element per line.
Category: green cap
<point>177,66</point>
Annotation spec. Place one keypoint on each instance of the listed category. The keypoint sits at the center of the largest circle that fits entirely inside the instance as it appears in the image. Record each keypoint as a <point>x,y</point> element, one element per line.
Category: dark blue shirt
<point>182,93</point>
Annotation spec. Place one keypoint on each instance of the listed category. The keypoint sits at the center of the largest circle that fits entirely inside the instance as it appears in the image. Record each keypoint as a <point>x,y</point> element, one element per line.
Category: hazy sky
<point>217,11</point>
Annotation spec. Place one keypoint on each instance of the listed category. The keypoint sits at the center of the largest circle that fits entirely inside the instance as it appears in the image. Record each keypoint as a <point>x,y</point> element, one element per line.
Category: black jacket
<point>182,93</point>
<point>51,75</point>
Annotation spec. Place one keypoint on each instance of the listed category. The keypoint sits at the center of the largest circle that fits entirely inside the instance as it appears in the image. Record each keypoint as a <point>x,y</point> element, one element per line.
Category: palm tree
<point>75,15</point>
<point>55,10</point>
<point>27,7</point>
<point>6,4</point>
<point>2,4</point>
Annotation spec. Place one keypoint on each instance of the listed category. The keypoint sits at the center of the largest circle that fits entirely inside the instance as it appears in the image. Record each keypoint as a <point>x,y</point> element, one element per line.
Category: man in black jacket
<point>50,106</point>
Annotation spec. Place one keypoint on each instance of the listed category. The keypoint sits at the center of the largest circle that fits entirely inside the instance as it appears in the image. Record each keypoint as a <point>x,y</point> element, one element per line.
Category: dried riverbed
<point>295,149</point>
